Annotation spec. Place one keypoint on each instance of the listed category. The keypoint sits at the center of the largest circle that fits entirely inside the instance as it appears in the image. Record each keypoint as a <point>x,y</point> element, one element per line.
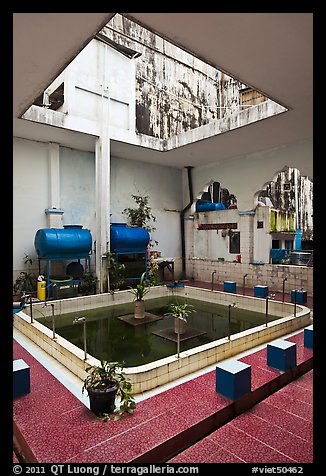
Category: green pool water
<point>110,338</point>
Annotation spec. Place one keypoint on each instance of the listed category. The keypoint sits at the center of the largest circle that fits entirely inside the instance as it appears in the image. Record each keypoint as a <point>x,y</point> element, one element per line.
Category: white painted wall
<point>163,186</point>
<point>77,188</point>
<point>101,71</point>
<point>30,198</point>
<point>210,244</point>
<point>262,237</point>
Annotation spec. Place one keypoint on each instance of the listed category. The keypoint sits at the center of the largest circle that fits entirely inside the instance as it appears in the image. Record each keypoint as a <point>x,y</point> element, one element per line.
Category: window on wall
<point>250,97</point>
<point>234,243</point>
<point>275,244</point>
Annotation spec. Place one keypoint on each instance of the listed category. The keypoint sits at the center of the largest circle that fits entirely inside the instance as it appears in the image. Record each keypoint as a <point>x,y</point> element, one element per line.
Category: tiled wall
<point>270,275</point>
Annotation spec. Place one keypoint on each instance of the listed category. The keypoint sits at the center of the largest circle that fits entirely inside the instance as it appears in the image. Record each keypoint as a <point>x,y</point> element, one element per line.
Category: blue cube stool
<point>261,291</point>
<point>308,335</point>
<point>230,287</point>
<point>233,379</point>
<point>299,296</point>
<point>281,354</point>
<point>21,378</point>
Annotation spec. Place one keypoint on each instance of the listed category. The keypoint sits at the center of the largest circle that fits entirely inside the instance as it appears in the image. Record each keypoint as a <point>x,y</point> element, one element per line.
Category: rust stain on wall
<point>175,92</point>
<point>292,192</point>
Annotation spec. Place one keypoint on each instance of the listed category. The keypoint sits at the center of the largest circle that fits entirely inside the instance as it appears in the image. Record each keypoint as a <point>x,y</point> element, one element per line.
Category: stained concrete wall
<point>76,196</point>
<point>175,91</point>
<point>244,176</point>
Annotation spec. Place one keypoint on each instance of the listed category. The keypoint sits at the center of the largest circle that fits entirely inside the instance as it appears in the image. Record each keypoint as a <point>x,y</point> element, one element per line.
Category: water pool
<point>158,372</point>
<point>110,338</point>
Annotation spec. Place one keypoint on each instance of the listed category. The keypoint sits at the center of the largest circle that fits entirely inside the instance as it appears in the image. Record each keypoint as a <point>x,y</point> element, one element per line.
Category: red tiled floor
<point>242,446</point>
<point>265,433</point>
<point>284,419</point>
<point>58,417</point>
<point>59,428</point>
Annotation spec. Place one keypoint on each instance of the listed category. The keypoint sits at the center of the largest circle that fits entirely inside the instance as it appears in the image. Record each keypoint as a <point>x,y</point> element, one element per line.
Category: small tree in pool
<point>180,312</point>
<point>139,292</point>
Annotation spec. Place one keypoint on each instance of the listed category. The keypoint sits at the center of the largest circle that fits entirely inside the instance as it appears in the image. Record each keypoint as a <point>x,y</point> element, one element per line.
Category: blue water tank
<point>207,206</point>
<point>128,239</point>
<point>69,242</point>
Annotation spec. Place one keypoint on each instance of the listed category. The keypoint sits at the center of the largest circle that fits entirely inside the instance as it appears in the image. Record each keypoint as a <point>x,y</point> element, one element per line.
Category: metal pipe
<point>272,296</point>
<point>53,319</point>
<point>244,283</point>
<point>229,320</point>
<point>187,207</point>
<point>31,308</point>
<point>214,272</point>
<point>53,322</point>
<point>83,320</point>
<point>178,343</point>
<point>85,341</point>
<point>26,297</point>
<point>283,290</point>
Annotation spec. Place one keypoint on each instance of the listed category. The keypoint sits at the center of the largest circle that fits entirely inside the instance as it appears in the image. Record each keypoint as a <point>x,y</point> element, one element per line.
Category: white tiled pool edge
<point>163,371</point>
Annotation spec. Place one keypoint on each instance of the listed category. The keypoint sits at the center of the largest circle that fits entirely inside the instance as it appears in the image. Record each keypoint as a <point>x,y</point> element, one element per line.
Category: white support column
<point>54,175</point>
<point>53,212</point>
<point>102,178</point>
<point>102,171</point>
<point>69,80</point>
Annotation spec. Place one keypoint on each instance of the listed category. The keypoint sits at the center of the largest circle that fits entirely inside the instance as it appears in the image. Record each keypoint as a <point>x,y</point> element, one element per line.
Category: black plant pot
<point>102,401</point>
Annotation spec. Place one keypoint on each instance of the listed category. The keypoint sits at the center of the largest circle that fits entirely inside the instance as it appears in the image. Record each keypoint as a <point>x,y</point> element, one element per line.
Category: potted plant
<point>139,292</point>
<point>104,384</point>
<point>88,283</point>
<point>141,215</point>
<point>180,312</point>
<point>25,282</point>
<point>115,270</point>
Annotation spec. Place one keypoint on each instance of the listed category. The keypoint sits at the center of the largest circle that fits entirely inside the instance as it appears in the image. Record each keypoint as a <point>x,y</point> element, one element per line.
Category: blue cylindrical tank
<point>69,242</point>
<point>207,206</point>
<point>128,239</point>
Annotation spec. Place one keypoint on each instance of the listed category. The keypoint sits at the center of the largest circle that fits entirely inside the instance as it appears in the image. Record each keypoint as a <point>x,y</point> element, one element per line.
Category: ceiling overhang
<point>271,52</point>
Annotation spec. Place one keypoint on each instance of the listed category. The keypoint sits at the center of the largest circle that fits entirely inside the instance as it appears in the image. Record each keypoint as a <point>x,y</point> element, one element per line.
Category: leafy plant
<point>116,271</point>
<point>180,311</point>
<point>88,283</point>
<point>141,215</point>
<point>152,276</point>
<point>28,259</point>
<point>141,289</point>
<point>107,375</point>
<point>26,281</point>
